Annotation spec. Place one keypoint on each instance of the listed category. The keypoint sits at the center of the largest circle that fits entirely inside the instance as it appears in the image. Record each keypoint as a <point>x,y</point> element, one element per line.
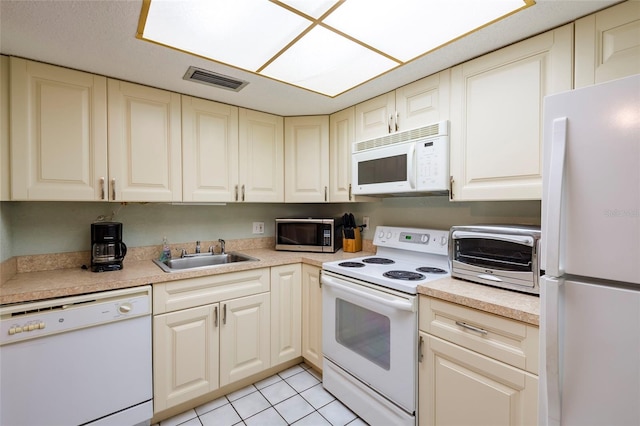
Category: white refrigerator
<point>590,293</point>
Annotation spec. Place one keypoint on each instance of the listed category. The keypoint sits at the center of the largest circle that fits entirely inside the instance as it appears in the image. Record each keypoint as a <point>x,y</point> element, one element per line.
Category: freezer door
<point>591,182</point>
<point>590,354</point>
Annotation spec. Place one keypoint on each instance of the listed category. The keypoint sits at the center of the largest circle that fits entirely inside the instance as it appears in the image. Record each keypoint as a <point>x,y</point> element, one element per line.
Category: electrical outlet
<point>258,227</point>
<point>365,222</point>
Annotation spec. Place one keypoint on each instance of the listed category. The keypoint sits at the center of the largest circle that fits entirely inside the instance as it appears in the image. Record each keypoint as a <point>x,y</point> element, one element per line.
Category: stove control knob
<point>443,240</point>
<point>424,239</point>
<point>389,235</point>
<point>380,234</point>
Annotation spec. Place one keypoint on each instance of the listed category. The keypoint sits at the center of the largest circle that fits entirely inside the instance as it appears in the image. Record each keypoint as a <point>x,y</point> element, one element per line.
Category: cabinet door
<point>58,133</point>
<point>608,44</point>
<point>460,387</point>
<point>261,161</point>
<point>286,313</point>
<point>423,102</point>
<point>185,355</point>
<point>374,118</point>
<point>209,150</point>
<point>311,316</point>
<point>244,337</point>
<point>341,138</point>
<point>145,150</point>
<point>306,170</point>
<point>496,117</point>
<point>5,189</point>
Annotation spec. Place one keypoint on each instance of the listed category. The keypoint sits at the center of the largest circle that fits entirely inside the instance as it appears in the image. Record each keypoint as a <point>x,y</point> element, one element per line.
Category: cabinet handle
<point>215,316</point>
<point>325,193</point>
<point>470,327</point>
<point>397,117</point>
<point>389,122</point>
<point>102,188</point>
<point>242,192</point>
<point>350,195</point>
<point>236,192</point>
<point>420,344</point>
<point>113,189</point>
<point>451,188</point>
<point>224,314</point>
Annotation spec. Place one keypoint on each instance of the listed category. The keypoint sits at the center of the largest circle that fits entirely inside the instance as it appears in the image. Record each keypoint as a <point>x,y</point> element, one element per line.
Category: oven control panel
<point>414,239</point>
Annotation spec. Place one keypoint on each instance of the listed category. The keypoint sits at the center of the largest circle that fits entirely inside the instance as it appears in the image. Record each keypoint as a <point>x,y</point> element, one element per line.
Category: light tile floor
<point>292,397</point>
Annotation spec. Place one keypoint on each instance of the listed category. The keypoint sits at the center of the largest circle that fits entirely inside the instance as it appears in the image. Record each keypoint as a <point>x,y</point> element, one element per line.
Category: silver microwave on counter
<point>323,235</point>
<point>505,256</point>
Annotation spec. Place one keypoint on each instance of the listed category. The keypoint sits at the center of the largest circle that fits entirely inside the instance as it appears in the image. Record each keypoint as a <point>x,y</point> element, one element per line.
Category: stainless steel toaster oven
<point>505,256</point>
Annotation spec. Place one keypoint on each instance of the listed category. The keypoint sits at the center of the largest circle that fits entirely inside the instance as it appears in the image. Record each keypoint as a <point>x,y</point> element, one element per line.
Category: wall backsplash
<point>56,227</point>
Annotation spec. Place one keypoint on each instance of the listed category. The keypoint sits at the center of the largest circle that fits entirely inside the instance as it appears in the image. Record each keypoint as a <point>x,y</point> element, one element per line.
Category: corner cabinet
<point>417,104</point>
<point>208,332</point>
<point>145,149</point>
<point>209,151</point>
<point>475,367</point>
<point>496,117</point>
<point>58,133</point>
<point>608,44</point>
<point>312,316</point>
<point>306,142</point>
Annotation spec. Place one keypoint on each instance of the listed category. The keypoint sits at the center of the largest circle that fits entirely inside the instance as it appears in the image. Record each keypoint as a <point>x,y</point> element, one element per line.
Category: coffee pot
<point>107,249</point>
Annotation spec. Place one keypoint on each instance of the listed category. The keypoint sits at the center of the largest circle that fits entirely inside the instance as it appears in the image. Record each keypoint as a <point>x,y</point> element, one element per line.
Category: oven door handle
<point>393,301</point>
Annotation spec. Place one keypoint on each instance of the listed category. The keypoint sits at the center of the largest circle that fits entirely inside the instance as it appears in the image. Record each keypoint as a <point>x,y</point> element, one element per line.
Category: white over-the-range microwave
<point>412,162</point>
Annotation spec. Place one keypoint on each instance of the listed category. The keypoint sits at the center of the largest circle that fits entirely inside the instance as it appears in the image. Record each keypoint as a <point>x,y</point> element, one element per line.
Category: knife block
<point>352,245</point>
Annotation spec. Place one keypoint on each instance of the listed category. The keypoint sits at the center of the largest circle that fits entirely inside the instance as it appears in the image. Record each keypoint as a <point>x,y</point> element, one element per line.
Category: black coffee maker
<point>107,248</point>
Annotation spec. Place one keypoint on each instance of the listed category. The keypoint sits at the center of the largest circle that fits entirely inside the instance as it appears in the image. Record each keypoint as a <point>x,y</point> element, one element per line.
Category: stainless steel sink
<point>202,261</point>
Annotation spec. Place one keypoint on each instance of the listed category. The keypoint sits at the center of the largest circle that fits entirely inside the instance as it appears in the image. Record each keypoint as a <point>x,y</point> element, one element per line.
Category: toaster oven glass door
<point>494,254</point>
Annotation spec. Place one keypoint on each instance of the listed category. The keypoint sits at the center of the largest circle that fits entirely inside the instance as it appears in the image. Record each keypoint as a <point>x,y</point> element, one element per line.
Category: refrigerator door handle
<point>554,204</point>
<point>550,309</point>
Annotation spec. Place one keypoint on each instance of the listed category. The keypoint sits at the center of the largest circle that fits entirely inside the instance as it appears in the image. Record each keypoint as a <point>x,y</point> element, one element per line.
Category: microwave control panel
<point>432,172</point>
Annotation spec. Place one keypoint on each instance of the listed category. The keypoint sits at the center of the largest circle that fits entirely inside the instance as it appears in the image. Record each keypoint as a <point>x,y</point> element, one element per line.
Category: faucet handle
<point>183,253</point>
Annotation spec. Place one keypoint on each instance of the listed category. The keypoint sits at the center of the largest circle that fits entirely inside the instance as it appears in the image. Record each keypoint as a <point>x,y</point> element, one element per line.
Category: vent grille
<point>436,129</point>
<point>211,78</point>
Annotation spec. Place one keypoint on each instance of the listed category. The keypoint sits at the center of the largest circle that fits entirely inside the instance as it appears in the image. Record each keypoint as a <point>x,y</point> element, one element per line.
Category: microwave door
<point>385,170</point>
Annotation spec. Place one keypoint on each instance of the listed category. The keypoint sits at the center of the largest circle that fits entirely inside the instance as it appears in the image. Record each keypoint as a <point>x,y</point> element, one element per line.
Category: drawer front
<point>503,339</point>
<point>191,292</point>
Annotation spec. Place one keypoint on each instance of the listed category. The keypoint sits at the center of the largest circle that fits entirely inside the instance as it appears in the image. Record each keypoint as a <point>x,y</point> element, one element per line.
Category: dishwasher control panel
<point>36,319</point>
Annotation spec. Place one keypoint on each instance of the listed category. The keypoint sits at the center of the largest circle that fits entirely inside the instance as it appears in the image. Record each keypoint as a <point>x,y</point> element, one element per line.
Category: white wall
<point>57,227</point>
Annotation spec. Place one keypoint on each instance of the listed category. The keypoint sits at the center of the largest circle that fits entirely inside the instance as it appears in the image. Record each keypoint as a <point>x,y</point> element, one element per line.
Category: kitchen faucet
<point>222,243</point>
<point>197,246</point>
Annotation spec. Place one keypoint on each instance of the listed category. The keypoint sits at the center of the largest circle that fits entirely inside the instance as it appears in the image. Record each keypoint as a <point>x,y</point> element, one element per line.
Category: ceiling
<point>99,36</point>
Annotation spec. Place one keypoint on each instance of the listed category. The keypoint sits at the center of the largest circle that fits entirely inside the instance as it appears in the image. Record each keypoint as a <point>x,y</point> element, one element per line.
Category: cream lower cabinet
<point>209,332</point>
<point>496,117</point>
<point>286,313</point>
<point>475,368</point>
<point>306,142</point>
<point>608,44</point>
<point>311,316</point>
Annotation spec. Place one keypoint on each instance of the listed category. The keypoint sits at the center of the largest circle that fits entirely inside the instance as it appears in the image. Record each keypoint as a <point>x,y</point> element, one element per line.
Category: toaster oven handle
<point>518,239</point>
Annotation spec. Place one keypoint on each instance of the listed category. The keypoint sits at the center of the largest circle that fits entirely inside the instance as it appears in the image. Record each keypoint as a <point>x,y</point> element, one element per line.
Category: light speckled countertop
<point>29,286</point>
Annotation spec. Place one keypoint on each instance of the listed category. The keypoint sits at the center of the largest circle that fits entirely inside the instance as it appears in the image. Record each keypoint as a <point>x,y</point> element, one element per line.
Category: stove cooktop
<point>404,259</point>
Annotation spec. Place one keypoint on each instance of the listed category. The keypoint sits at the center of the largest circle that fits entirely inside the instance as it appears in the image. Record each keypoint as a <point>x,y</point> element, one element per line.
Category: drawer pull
<point>470,327</point>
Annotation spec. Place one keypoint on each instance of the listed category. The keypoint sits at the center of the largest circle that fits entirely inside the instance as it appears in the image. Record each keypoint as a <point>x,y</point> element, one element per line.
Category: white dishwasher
<point>77,360</point>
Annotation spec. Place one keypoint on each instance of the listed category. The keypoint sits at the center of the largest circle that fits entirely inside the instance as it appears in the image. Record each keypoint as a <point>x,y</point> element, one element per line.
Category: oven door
<point>372,335</point>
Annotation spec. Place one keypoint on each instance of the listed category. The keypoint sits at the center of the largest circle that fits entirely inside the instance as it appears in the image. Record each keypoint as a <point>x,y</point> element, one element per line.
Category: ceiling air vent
<point>214,79</point>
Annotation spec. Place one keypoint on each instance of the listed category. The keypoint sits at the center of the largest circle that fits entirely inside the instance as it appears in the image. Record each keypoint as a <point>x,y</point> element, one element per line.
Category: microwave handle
<point>457,235</point>
<point>411,166</point>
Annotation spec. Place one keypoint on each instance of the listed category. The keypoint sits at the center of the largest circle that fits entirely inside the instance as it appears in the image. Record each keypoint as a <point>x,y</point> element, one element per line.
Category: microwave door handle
<point>411,166</point>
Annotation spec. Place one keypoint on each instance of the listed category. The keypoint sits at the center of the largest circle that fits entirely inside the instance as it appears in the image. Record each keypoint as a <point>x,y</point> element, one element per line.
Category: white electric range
<point>370,322</point>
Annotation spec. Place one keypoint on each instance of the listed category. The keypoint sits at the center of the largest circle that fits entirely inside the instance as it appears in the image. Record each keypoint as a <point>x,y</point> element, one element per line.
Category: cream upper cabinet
<point>311,316</point>
<point>5,188</point>
<point>417,104</point>
<point>475,368</point>
<point>341,138</point>
<point>306,142</point>
<point>261,160</point>
<point>209,151</point>
<point>608,44</point>
<point>496,116</point>
<point>145,150</point>
<point>286,313</point>
<point>58,133</point>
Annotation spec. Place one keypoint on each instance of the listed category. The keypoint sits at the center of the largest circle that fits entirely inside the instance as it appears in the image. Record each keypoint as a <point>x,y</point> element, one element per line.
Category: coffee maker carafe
<point>107,248</point>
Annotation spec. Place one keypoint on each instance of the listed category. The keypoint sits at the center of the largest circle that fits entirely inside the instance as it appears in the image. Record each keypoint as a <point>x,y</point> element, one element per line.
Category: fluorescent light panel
<point>326,46</point>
